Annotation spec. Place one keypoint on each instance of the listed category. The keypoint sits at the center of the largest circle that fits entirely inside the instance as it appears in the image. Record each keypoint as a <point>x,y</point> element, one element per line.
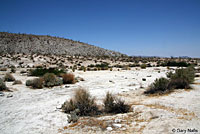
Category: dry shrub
<point>17,82</point>
<point>2,85</point>
<point>9,77</point>
<point>51,80</point>
<point>68,78</point>
<point>36,83</point>
<point>83,102</point>
<point>113,104</point>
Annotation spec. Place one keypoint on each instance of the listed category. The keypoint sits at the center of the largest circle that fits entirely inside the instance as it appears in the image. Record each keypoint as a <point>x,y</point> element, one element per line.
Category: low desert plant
<point>9,77</point>
<point>68,78</point>
<point>83,102</point>
<point>36,83</point>
<point>114,105</point>
<point>17,82</point>
<point>143,66</point>
<point>2,85</point>
<point>182,78</point>
<point>51,80</point>
<point>160,85</point>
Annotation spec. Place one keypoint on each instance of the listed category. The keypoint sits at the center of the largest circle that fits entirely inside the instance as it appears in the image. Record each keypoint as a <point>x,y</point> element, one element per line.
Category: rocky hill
<point>13,43</point>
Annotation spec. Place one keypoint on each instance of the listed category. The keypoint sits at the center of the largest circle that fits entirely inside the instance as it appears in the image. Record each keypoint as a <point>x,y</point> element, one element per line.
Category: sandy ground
<point>31,111</point>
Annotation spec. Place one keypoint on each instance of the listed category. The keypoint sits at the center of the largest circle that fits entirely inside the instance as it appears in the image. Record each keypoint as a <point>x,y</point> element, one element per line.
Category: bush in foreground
<point>83,102</point>
<point>9,77</point>
<point>114,105</point>
<point>2,85</point>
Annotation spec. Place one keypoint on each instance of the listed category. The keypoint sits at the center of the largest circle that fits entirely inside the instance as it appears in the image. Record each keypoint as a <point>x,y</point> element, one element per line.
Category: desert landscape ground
<point>26,110</point>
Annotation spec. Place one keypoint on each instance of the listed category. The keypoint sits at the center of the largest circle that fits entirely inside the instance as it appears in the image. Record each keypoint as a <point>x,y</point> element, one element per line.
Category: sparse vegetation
<point>158,86</point>
<point>17,82</point>
<point>143,66</point>
<point>42,71</point>
<point>9,77</point>
<point>2,85</point>
<point>181,79</point>
<point>114,105</point>
<point>51,80</point>
<point>82,101</point>
<point>68,78</point>
<point>3,69</point>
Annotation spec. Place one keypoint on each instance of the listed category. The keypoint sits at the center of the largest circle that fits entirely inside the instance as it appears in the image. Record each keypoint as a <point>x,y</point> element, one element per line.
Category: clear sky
<point>133,27</point>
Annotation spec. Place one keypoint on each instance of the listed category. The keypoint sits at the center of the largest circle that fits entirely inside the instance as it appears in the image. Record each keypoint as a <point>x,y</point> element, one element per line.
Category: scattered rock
<point>109,128</point>
<point>117,120</point>
<point>9,95</point>
<point>117,125</point>
<point>143,79</point>
<point>1,94</point>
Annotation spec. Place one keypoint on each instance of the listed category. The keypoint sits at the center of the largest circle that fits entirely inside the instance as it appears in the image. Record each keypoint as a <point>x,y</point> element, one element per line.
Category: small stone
<point>117,120</point>
<point>9,95</point>
<point>1,94</point>
<point>117,125</point>
<point>109,128</point>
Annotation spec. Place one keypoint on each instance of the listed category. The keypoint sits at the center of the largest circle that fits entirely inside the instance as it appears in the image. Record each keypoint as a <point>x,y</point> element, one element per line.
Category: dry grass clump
<point>68,78</point>
<point>9,77</point>
<point>143,66</point>
<point>17,82</point>
<point>114,105</point>
<point>3,85</point>
<point>83,102</point>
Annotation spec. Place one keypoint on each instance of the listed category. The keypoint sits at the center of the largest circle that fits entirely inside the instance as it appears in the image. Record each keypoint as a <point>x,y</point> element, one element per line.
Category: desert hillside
<point>27,43</point>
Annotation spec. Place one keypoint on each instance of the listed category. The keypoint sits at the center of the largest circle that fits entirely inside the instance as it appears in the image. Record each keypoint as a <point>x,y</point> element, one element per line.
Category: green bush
<point>114,105</point>
<point>9,77</point>
<point>42,71</point>
<point>83,102</point>
<point>160,85</point>
<point>143,66</point>
<point>51,80</point>
<point>2,85</point>
<point>182,78</point>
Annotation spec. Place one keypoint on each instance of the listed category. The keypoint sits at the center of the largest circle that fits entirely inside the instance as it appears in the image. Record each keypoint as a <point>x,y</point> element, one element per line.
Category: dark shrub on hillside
<point>42,71</point>
<point>160,85</point>
<point>2,85</point>
<point>51,80</point>
<point>9,77</point>
<point>68,78</point>
<point>3,69</point>
<point>83,102</point>
<point>176,64</point>
<point>114,105</point>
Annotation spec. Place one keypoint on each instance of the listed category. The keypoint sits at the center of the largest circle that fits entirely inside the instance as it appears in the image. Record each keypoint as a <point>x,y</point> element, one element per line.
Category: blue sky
<point>133,27</point>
